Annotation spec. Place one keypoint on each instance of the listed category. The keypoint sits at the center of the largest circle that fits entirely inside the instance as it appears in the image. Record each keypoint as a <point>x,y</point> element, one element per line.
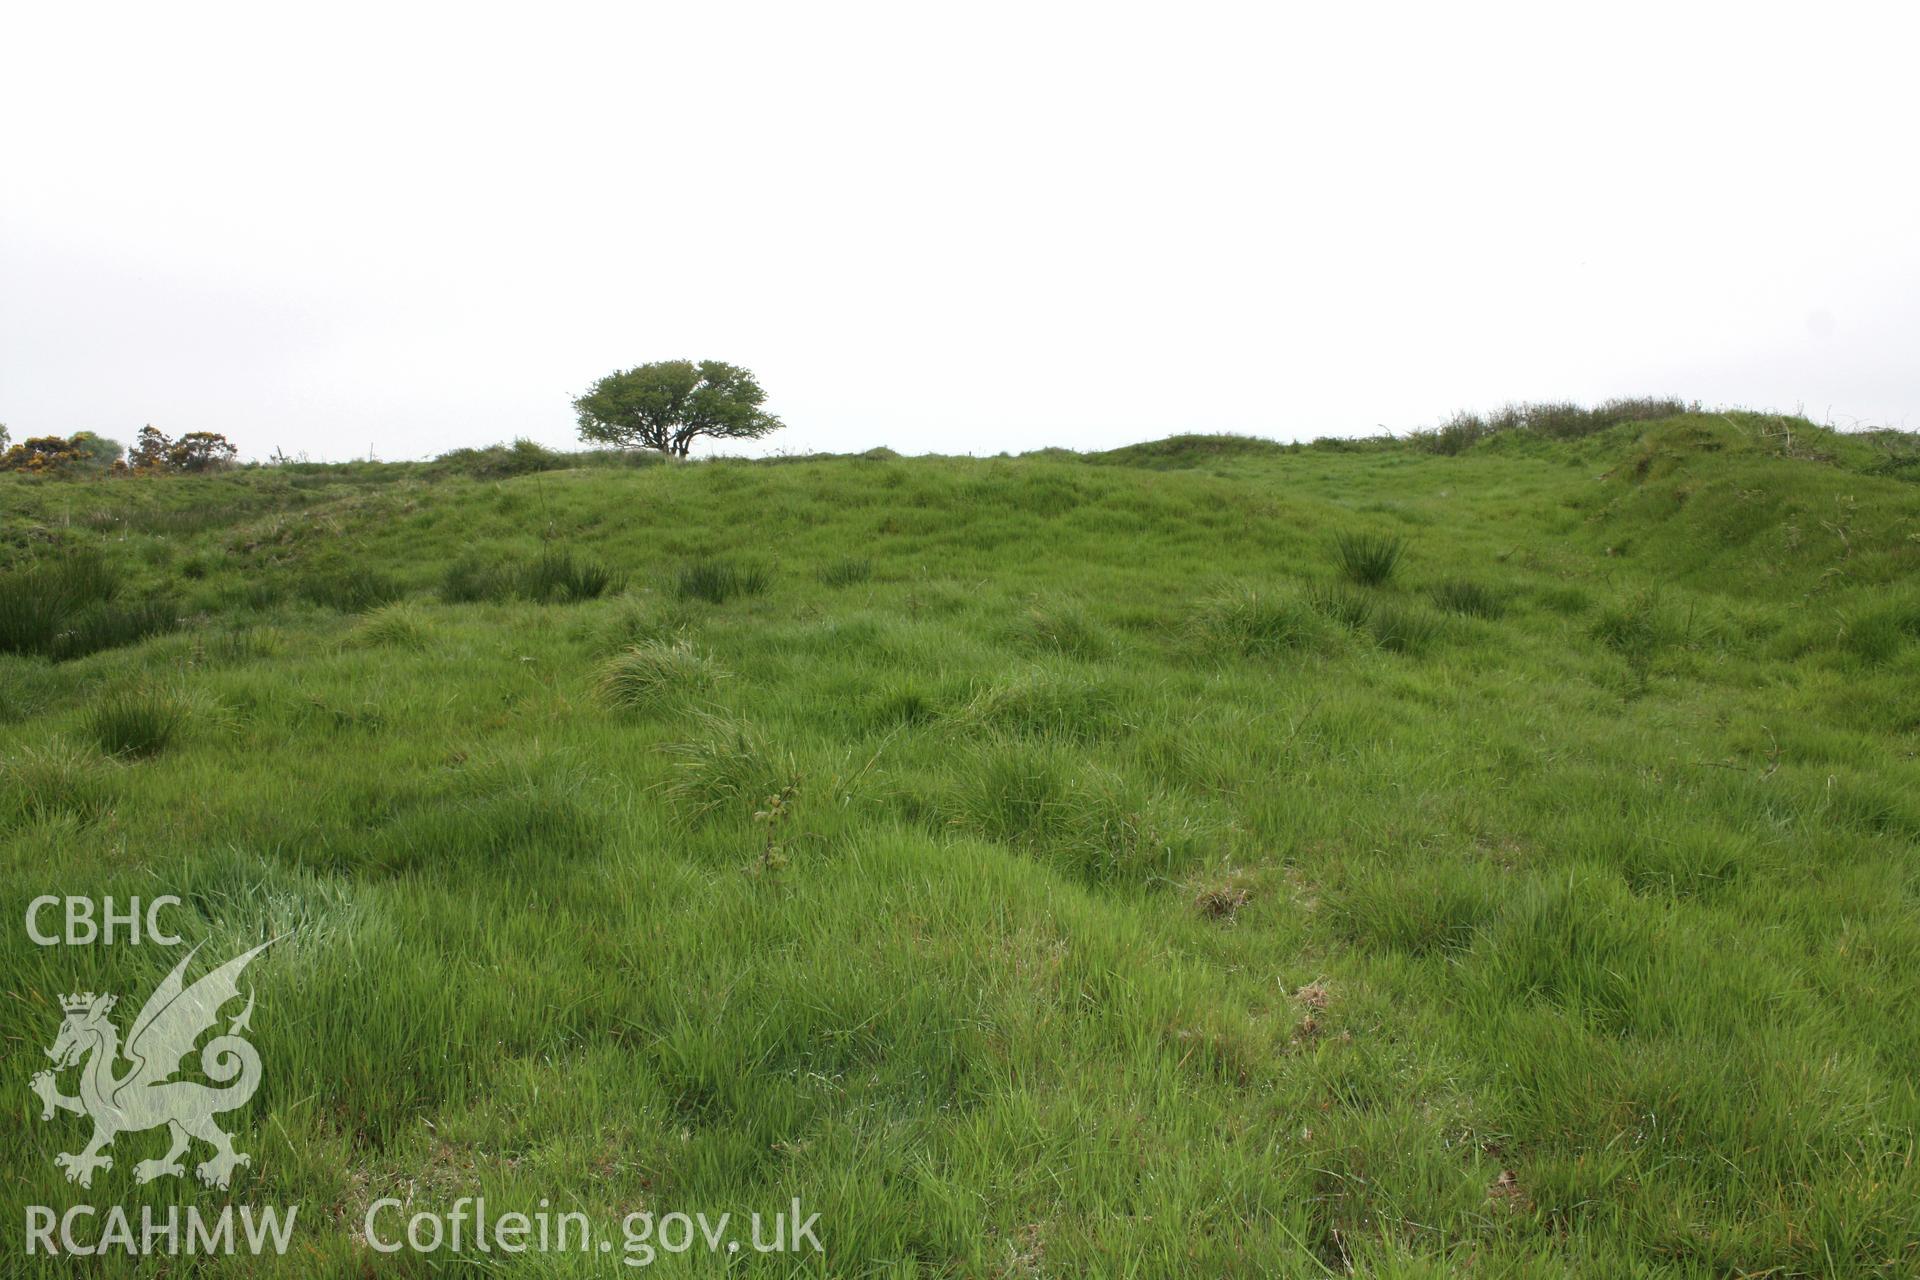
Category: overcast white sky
<point>964,227</point>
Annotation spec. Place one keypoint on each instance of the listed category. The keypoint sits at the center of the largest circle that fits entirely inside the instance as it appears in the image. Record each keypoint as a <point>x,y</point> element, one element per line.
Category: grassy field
<point>1207,858</point>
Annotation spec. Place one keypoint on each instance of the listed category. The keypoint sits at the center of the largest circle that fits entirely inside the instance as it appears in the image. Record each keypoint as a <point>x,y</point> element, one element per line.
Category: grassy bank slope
<point>1042,866</point>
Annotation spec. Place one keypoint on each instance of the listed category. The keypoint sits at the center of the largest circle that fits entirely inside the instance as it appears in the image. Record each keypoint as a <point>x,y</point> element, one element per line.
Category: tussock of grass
<point>556,576</point>
<point>1063,628</point>
<point>1254,624</point>
<point>1569,601</point>
<point>471,579</point>
<point>655,673</point>
<point>56,780</point>
<point>1368,559</point>
<point>1577,943</point>
<point>348,588</point>
<point>135,724</point>
<point>1876,635</point>
<point>245,644</point>
<point>635,620</point>
<point>1464,596</point>
<point>395,626</point>
<point>1338,603</point>
<point>847,571</point>
<point>718,581</point>
<point>559,575</point>
<point>65,607</point>
<point>1403,628</point>
<point>1043,703</point>
<point>903,702</point>
<point>1636,628</point>
<point>1093,824</point>
<point>727,767</point>
<point>1418,911</point>
<point>111,626</point>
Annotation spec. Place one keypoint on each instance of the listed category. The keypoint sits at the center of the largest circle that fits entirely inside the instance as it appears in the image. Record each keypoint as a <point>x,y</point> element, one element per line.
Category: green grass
<point>1094,881</point>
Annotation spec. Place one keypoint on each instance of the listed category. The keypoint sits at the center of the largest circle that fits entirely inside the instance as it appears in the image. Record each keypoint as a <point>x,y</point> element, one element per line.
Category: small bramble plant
<point>773,820</point>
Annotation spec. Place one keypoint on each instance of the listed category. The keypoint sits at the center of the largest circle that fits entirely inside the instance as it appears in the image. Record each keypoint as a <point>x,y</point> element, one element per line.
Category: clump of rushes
<point>1403,628</point>
<point>1350,608</point>
<point>136,724</point>
<point>1635,629</point>
<point>1460,595</point>
<point>66,607</point>
<point>473,578</point>
<point>558,576</point>
<point>847,572</point>
<point>717,581</point>
<point>1368,558</point>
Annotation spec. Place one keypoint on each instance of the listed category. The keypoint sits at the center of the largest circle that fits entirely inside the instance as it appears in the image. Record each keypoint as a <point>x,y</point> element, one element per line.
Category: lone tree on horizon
<point>669,404</point>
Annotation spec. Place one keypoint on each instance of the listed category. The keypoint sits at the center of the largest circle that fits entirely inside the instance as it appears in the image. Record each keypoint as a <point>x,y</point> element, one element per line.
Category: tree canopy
<point>83,451</point>
<point>669,404</point>
<point>194,451</point>
<point>89,451</point>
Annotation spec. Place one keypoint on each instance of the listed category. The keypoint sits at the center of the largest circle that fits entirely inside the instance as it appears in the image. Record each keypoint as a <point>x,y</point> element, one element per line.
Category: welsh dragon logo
<point>144,1095</point>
